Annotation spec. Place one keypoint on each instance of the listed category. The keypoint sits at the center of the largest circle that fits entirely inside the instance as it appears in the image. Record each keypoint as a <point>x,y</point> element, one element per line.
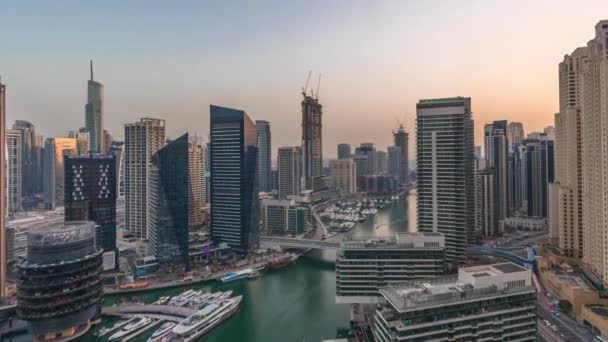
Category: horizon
<point>376,61</point>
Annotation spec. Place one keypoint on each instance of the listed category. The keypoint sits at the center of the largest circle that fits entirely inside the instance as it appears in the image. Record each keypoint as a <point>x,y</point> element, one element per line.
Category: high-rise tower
<point>312,138</point>
<point>264,155</point>
<point>234,178</point>
<point>497,159</point>
<point>401,139</point>
<point>94,114</point>
<point>289,171</point>
<point>445,159</point>
<point>2,189</point>
<point>55,149</point>
<point>142,140</point>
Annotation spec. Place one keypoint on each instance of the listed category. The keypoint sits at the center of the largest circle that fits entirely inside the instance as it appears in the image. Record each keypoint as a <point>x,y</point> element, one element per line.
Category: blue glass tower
<point>234,177</point>
<point>168,203</point>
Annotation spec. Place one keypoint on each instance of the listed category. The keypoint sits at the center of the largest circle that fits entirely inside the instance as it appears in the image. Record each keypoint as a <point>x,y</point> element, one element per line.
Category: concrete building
<point>381,162</point>
<point>283,217</point>
<point>497,159</point>
<point>31,158</point>
<point>94,114</point>
<point>363,266</point>
<point>14,185</point>
<point>142,140</point>
<point>482,303</point>
<point>344,151</point>
<point>550,132</point>
<point>54,181</point>
<point>343,175</point>
<point>82,140</point>
<point>60,288</point>
<point>511,224</point>
<point>196,183</point>
<point>90,195</point>
<point>3,169</point>
<point>264,155</point>
<point>485,222</point>
<point>446,172</point>
<point>394,162</point>
<point>312,139</point>
<point>515,133</point>
<point>401,139</point>
<point>234,192</point>
<point>169,195</point>
<point>289,171</point>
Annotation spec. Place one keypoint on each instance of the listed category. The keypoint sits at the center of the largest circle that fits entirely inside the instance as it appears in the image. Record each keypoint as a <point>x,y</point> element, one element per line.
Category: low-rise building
<point>363,266</point>
<point>523,223</point>
<point>283,216</point>
<point>482,303</point>
<point>596,316</point>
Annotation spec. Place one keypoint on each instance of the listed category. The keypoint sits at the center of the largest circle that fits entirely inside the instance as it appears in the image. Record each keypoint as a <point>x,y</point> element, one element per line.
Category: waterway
<point>296,303</point>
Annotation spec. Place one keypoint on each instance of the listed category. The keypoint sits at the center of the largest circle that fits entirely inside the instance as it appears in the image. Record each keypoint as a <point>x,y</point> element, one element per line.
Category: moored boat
<point>206,319</point>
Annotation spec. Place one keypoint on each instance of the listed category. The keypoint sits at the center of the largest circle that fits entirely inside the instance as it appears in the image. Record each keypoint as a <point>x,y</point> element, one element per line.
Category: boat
<point>242,274</point>
<point>162,300</point>
<point>107,330</point>
<point>131,328</point>
<point>253,275</point>
<point>162,334</point>
<point>201,322</point>
<point>279,262</point>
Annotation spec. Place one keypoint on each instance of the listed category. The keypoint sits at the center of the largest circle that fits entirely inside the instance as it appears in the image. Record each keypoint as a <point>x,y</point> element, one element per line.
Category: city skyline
<point>200,66</point>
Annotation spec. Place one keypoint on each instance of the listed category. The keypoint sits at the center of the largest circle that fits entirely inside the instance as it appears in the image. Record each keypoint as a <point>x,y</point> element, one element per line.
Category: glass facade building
<point>168,202</point>
<point>264,155</point>
<point>234,177</point>
<point>90,195</point>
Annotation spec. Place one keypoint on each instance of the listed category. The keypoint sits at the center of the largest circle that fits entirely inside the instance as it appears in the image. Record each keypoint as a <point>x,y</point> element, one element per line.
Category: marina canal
<point>292,304</point>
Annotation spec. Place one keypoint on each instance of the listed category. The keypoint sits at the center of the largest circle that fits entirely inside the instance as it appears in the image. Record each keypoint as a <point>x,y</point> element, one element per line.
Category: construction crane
<point>318,86</point>
<point>305,88</point>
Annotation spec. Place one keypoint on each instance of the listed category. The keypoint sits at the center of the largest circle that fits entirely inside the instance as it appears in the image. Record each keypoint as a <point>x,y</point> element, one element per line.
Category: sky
<point>172,59</point>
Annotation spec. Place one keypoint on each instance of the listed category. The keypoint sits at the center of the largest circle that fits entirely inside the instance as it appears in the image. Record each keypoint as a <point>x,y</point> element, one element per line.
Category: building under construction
<point>59,286</point>
<point>312,136</point>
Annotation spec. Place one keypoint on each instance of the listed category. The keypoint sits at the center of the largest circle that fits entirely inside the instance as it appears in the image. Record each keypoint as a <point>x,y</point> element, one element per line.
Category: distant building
<point>264,155</point>
<point>234,191</point>
<point>344,151</point>
<point>497,159</point>
<point>90,195</point>
<point>196,184</point>
<point>445,165</point>
<point>379,184</point>
<point>142,140</point>
<point>283,216</point>
<point>14,181</point>
<point>381,162</point>
<point>395,158</point>
<point>361,168</point>
<point>55,149</point>
<point>343,175</point>
<point>94,114</point>
<point>60,289</point>
<point>401,139</point>
<point>368,149</point>
<point>312,139</point>
<point>485,221</point>
<point>169,202</point>
<point>510,224</point>
<point>31,158</point>
<point>485,303</point>
<point>82,140</point>
<point>515,133</point>
<point>538,166</point>
<point>3,169</point>
<point>363,266</point>
<point>107,141</point>
<point>289,171</point>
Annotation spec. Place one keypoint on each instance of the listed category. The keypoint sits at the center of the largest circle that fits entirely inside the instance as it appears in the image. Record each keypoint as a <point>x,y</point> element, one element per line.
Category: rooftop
<point>399,240</point>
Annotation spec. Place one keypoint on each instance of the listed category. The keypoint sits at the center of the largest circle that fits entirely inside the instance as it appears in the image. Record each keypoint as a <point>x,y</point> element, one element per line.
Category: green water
<point>293,304</point>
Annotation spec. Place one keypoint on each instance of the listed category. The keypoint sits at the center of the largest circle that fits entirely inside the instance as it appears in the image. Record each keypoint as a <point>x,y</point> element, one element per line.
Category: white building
<point>15,170</point>
<point>482,303</point>
<point>142,140</point>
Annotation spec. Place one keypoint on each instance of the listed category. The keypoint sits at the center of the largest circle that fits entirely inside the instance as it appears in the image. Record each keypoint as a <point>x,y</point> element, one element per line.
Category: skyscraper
<point>344,151</point>
<point>515,133</point>
<point>30,164</point>
<point>497,160</point>
<point>312,139</point>
<point>234,176</point>
<point>401,139</point>
<point>142,140</point>
<point>169,202</point>
<point>343,175</point>
<point>381,162</point>
<point>368,150</point>
<point>55,149</point>
<point>90,195</point>
<point>2,189</point>
<point>395,162</point>
<point>82,140</point>
<point>196,183</point>
<point>538,172</point>
<point>15,170</point>
<point>445,160</point>
<point>264,155</point>
<point>94,114</point>
<point>485,223</point>
<point>289,171</point>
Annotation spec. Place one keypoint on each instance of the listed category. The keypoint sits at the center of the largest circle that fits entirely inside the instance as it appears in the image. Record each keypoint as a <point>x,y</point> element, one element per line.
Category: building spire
<point>91,65</point>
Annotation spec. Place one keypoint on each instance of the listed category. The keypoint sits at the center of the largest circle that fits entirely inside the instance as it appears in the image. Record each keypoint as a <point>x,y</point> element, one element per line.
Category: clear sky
<point>171,59</point>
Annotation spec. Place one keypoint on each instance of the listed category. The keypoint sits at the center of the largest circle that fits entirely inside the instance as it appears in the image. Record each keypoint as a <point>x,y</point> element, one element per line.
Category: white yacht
<point>162,334</point>
<point>131,328</point>
<point>206,319</point>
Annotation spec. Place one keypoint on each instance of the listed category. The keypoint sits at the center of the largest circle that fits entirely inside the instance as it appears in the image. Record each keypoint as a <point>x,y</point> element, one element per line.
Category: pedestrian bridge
<point>162,312</point>
<point>275,241</point>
